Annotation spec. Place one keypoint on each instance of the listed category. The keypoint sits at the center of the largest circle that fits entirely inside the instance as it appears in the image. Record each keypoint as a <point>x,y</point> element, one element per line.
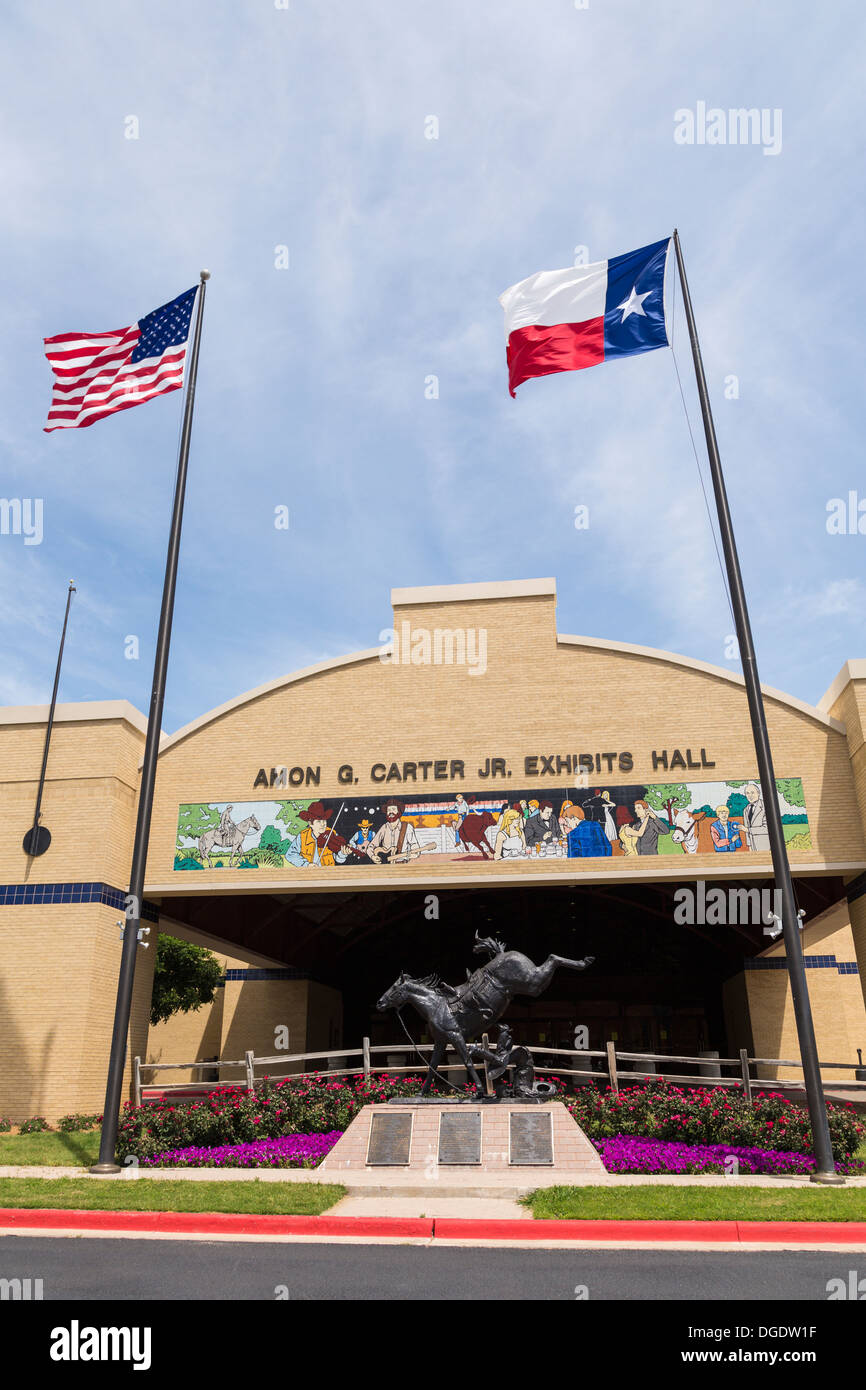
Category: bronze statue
<point>457,1014</point>
<point>504,1056</point>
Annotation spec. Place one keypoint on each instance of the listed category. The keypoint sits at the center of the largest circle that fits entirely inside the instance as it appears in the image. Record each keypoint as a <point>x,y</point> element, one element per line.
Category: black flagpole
<point>108,1140</point>
<point>824,1164</point>
<point>38,837</point>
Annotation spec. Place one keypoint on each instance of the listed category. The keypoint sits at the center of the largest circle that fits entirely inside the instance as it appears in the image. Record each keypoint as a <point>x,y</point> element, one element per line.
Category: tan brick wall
<point>58,982</point>
<point>59,963</point>
<point>253,1009</point>
<point>837,1003</point>
<point>89,803</point>
<point>537,696</point>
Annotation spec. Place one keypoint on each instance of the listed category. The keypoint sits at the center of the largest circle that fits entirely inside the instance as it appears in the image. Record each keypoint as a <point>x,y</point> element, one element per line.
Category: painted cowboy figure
<point>363,835</point>
<point>227,826</point>
<point>396,840</point>
<point>315,837</point>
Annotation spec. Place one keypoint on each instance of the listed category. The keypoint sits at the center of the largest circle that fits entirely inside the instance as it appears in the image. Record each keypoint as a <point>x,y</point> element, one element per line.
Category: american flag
<point>96,374</point>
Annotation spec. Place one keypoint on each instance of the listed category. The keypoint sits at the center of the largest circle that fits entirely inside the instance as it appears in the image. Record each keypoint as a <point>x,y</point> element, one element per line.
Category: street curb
<point>212,1223</point>
<point>15,1219</point>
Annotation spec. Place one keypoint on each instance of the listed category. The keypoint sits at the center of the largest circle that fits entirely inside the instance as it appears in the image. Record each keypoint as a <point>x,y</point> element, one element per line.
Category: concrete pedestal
<point>572,1152</point>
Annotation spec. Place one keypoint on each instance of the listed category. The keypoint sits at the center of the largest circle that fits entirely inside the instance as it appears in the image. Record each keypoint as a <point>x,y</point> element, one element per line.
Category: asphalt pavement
<point>90,1268</point>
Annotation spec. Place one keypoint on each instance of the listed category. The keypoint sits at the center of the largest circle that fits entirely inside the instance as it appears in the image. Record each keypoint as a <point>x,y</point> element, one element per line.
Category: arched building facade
<point>367,815</point>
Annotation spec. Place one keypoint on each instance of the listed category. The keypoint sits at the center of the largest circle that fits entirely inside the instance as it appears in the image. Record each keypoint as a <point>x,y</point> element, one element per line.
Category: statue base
<point>457,1138</point>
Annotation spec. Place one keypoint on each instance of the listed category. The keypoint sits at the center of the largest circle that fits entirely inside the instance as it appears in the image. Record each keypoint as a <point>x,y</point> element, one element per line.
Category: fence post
<point>744,1068</point>
<point>251,1074</point>
<point>136,1081</point>
<point>365,1049</point>
<point>611,1067</point>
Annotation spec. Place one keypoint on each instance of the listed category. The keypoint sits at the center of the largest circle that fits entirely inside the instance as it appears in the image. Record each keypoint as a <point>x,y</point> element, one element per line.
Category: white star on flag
<point>634,304</point>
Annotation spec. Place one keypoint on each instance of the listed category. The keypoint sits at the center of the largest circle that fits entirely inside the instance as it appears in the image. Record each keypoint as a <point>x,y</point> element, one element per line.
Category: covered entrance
<point>657,984</point>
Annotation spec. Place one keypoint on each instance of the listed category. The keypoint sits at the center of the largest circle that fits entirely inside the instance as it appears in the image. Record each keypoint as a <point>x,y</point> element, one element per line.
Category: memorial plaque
<point>390,1140</point>
<point>530,1138</point>
<point>460,1137</point>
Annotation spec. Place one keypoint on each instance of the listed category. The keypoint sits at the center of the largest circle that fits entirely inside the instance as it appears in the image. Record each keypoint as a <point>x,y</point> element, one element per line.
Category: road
<point>74,1268</point>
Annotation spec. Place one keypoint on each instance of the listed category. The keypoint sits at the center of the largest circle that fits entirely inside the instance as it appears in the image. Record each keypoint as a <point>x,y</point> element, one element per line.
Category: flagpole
<point>117,1057</point>
<point>824,1164</point>
<point>38,837</point>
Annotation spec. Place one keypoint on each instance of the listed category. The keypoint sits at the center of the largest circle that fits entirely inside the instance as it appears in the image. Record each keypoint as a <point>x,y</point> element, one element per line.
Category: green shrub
<point>67,1123</point>
<point>5,1125</point>
<point>35,1125</point>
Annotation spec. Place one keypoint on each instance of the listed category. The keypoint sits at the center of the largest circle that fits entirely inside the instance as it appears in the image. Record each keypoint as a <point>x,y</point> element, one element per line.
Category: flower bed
<point>719,1116</point>
<point>287,1151</point>
<point>231,1116</point>
<point>631,1154</point>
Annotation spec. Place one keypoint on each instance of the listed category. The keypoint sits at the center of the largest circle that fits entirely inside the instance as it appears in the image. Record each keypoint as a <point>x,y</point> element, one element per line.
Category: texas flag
<point>562,320</point>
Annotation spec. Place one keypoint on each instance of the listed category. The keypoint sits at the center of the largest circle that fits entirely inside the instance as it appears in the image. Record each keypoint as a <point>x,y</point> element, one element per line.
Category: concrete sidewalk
<point>459,1183</point>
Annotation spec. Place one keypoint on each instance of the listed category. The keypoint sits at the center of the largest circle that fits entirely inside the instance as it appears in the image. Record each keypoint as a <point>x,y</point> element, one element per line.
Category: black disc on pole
<point>37,840</point>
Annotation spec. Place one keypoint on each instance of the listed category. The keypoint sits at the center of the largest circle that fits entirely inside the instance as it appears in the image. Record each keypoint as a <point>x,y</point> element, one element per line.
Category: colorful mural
<point>669,818</point>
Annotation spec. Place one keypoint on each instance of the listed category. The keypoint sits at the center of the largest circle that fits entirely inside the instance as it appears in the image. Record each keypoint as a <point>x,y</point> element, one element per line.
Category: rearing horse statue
<point>456,1015</point>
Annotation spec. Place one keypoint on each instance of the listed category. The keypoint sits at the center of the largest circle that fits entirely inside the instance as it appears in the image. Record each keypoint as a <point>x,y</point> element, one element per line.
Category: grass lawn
<point>78,1149</point>
<point>730,1203</point>
<point>143,1194</point>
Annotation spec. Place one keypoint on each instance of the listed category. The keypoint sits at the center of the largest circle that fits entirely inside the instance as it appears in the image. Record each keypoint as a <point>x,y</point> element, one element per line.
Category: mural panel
<point>667,818</point>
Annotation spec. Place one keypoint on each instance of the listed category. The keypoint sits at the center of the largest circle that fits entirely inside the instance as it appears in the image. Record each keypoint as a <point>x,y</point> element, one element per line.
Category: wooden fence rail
<point>709,1068</point>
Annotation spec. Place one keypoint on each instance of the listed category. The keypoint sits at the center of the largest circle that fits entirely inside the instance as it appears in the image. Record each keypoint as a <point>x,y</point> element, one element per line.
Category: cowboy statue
<point>503,1056</point>
<point>455,1015</point>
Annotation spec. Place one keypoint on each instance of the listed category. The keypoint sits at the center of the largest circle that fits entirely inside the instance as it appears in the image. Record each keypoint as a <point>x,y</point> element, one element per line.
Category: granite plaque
<point>530,1137</point>
<point>460,1137</point>
<point>390,1140</point>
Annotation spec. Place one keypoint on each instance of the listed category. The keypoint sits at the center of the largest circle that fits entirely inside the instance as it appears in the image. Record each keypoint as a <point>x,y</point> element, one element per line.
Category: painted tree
<point>669,797</point>
<point>193,821</point>
<point>184,978</point>
<point>288,815</point>
<point>272,846</point>
<point>791,789</point>
<point>737,803</point>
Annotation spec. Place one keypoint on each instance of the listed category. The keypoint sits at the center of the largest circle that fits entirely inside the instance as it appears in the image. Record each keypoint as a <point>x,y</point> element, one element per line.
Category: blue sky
<point>304,127</point>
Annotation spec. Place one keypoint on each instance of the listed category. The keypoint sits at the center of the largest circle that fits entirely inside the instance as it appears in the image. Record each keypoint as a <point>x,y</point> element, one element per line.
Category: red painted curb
<point>709,1231</point>
<point>835,1232</point>
<point>213,1223</point>
<point>449,1228</point>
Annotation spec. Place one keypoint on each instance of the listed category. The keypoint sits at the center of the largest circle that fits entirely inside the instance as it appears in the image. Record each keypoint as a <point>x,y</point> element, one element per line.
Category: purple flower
<point>628,1153</point>
<point>288,1151</point>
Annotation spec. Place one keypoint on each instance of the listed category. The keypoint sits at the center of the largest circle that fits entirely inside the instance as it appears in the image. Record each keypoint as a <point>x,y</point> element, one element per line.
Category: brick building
<point>565,794</point>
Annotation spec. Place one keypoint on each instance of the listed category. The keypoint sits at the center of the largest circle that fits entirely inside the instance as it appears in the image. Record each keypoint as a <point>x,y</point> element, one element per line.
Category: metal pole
<point>126,979</point>
<point>825,1167</point>
<point>38,838</point>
